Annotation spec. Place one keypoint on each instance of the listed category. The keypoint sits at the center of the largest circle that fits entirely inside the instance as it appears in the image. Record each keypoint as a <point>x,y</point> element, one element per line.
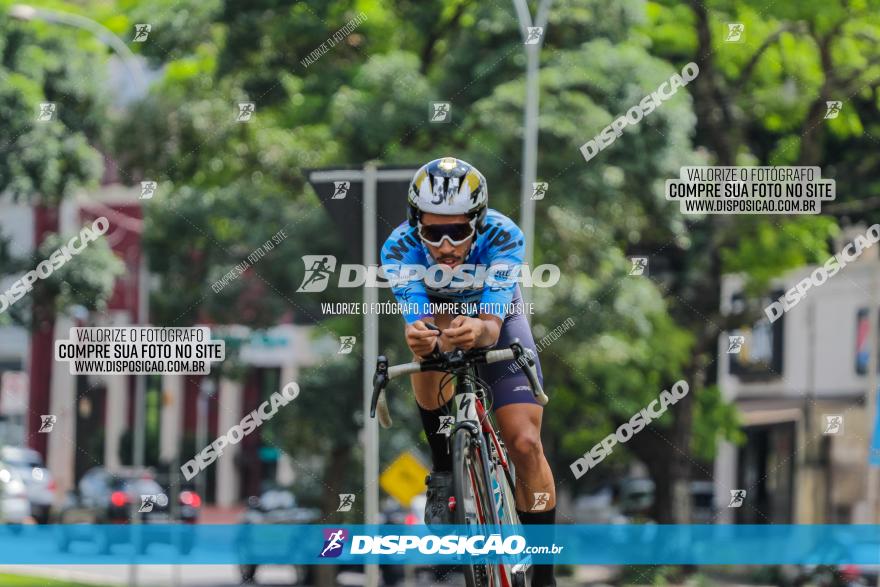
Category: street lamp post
<point>530,123</point>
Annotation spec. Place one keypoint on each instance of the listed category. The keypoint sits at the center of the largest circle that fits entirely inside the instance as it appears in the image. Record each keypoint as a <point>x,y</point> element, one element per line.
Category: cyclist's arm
<point>398,252</point>
<point>468,332</point>
<point>505,262</point>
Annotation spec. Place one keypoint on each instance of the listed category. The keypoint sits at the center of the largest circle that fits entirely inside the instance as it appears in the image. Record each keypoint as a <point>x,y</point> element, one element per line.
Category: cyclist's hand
<point>464,332</point>
<point>421,340</point>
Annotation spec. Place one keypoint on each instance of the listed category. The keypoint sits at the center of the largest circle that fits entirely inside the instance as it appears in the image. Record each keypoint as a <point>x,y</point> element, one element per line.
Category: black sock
<point>439,442</point>
<point>542,575</point>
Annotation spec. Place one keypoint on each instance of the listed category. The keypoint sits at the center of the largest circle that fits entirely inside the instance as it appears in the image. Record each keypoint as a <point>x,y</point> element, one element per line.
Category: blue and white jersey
<point>488,276</point>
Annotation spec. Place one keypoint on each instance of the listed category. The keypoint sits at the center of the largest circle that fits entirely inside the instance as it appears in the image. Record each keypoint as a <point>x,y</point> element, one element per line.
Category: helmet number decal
<point>439,192</point>
<point>444,187</point>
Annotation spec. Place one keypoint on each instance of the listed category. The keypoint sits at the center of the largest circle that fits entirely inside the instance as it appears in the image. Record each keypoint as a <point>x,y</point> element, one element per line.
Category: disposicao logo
<point>333,543</point>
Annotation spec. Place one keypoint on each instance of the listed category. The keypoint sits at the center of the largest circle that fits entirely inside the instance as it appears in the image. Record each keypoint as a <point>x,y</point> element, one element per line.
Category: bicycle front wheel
<point>474,501</point>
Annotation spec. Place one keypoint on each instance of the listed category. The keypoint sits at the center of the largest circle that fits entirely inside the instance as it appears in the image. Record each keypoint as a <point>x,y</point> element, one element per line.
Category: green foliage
<point>86,280</point>
<point>767,248</point>
<point>48,161</point>
<point>227,187</point>
<point>714,420</point>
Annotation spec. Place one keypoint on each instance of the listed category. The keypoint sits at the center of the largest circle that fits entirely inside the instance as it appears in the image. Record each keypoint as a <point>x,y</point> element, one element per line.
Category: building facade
<point>96,415</point>
<point>801,385</point>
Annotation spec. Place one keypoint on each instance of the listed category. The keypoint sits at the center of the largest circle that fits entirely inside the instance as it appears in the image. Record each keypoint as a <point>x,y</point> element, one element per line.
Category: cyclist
<point>449,223</point>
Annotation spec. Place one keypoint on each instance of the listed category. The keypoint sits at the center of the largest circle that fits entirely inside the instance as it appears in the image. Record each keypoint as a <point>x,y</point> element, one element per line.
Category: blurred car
<point>275,506</point>
<point>703,510</point>
<point>635,500</point>
<point>597,508</point>
<point>14,505</point>
<point>115,498</point>
<point>279,506</point>
<point>38,480</point>
<point>414,515</point>
<point>838,571</point>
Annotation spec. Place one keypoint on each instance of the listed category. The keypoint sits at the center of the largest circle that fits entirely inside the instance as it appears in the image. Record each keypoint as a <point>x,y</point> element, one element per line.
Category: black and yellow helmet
<point>448,186</point>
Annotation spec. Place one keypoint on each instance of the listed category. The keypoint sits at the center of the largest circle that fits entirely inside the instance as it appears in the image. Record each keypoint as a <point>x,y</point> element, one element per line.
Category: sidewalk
<point>221,515</point>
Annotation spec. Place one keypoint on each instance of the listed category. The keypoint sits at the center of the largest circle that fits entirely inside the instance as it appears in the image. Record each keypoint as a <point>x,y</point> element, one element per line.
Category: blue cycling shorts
<point>508,383</point>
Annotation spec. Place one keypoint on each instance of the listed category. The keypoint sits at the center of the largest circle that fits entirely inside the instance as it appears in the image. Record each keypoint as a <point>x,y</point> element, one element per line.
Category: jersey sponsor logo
<point>396,250</point>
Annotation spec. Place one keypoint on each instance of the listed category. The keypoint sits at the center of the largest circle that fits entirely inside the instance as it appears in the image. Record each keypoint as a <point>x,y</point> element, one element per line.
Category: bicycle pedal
<point>451,503</point>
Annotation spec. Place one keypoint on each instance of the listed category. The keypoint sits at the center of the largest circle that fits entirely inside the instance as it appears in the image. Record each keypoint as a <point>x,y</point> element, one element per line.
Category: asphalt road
<point>228,576</point>
<point>189,575</point>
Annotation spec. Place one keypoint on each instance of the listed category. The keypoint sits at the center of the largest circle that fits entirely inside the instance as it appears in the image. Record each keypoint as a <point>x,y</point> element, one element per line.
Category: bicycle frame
<point>485,426</point>
<point>472,417</point>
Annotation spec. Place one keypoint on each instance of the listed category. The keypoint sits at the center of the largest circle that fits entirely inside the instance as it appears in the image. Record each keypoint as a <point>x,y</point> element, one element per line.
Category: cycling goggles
<point>456,234</point>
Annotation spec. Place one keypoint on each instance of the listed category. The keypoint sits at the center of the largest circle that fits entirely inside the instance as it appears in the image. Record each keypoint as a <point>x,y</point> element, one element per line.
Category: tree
<point>750,110</point>
<point>43,162</point>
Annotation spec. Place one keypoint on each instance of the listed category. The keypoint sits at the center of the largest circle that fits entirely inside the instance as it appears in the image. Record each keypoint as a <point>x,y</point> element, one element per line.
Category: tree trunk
<point>714,120</point>
<point>651,449</point>
<point>41,343</point>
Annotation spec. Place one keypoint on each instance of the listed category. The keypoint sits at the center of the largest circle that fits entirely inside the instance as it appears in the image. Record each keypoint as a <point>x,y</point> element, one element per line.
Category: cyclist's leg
<point>520,426</point>
<point>519,418</point>
<point>432,405</point>
<point>519,415</point>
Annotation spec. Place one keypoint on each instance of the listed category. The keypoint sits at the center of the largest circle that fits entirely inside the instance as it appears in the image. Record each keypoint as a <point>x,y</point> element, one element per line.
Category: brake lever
<point>380,379</point>
<point>529,369</point>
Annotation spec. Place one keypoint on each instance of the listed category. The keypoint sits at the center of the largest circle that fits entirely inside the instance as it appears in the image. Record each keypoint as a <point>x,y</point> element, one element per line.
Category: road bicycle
<point>483,475</point>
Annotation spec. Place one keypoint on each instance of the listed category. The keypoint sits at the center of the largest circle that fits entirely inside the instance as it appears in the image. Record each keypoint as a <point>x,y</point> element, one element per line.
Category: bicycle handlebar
<point>449,361</point>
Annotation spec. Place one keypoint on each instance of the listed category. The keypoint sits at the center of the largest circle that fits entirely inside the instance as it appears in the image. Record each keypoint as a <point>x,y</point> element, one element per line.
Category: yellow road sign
<point>404,478</point>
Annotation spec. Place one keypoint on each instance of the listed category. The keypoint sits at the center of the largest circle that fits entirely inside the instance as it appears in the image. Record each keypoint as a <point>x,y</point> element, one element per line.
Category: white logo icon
<point>534,35</point>
<point>346,344</point>
<point>539,190</point>
<point>639,265</point>
<point>541,501</point>
<point>334,542</point>
<point>346,500</point>
<point>341,189</point>
<point>441,112</point>
<point>833,424</point>
<point>832,109</point>
<point>736,498</point>
<point>735,32</point>
<point>245,111</point>
<point>148,501</point>
<point>735,344</point>
<point>47,422</point>
<point>148,189</point>
<point>319,268</point>
<point>445,427</point>
<point>141,32</point>
<point>47,111</point>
